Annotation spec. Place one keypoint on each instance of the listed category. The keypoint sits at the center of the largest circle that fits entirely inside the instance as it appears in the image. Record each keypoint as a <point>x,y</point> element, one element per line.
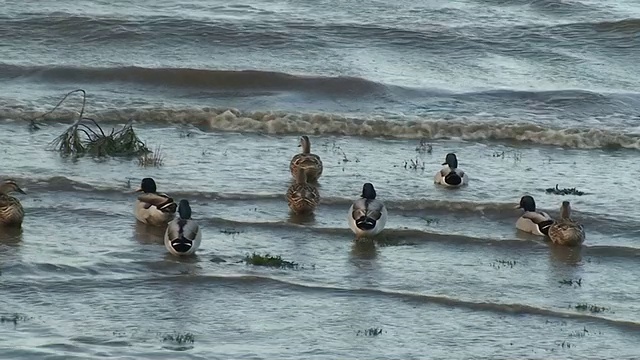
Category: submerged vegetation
<point>179,338</point>
<point>591,308</point>
<point>155,159</point>
<point>369,332</point>
<point>571,282</point>
<point>13,318</point>
<point>565,191</point>
<point>498,264</point>
<point>269,261</point>
<point>86,137</point>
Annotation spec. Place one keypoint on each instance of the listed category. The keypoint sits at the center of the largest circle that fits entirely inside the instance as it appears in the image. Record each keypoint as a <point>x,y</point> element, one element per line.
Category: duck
<point>306,160</point>
<point>451,175</point>
<point>302,197</point>
<point>565,231</point>
<point>533,221</point>
<point>152,207</point>
<point>367,215</point>
<point>11,210</point>
<point>183,235</point>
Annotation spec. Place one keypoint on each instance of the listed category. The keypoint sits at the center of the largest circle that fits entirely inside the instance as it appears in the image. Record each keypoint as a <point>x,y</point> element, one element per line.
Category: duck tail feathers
<point>181,244</point>
<point>545,226</point>
<point>169,207</point>
<point>453,178</point>
<point>365,223</point>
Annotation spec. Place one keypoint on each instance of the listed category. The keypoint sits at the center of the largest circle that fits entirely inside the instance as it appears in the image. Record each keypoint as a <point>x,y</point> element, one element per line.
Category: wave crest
<point>283,123</point>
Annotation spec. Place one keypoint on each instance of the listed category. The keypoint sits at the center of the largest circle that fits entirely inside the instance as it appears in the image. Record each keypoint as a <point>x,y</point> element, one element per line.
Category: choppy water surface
<point>529,94</point>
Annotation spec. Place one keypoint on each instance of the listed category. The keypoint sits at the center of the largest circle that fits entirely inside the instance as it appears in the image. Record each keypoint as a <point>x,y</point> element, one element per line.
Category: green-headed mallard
<point>451,175</point>
<point>183,235</point>
<point>302,196</point>
<point>565,231</point>
<point>533,221</point>
<point>306,160</point>
<point>153,208</point>
<point>11,211</point>
<point>367,215</point>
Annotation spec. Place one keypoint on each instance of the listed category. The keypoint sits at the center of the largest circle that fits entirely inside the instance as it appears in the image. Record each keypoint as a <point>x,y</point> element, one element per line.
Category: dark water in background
<point>225,89</point>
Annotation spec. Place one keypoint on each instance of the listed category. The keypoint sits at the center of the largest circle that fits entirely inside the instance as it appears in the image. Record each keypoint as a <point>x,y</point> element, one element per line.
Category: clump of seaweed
<point>13,318</point>
<point>571,282</point>
<point>565,191</point>
<point>86,137</point>
<point>498,264</point>
<point>369,332</point>
<point>591,308</point>
<point>269,261</point>
<point>180,338</point>
<point>230,231</point>
<point>155,159</point>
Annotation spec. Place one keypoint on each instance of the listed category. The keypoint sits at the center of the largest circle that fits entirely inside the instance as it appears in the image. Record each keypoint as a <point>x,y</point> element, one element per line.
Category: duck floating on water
<point>183,235</point>
<point>565,231</point>
<point>367,215</point>
<point>302,197</point>
<point>451,175</point>
<point>307,161</point>
<point>533,221</point>
<point>11,210</point>
<point>152,207</point>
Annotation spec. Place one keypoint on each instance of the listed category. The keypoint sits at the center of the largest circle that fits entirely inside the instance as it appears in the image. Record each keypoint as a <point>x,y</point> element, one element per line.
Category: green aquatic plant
<point>180,338</point>
<point>571,282</point>
<point>34,125</point>
<point>13,318</point>
<point>370,332</point>
<point>565,191</point>
<point>86,137</point>
<point>498,264</point>
<point>155,159</point>
<point>230,231</point>
<point>269,261</point>
<point>591,308</point>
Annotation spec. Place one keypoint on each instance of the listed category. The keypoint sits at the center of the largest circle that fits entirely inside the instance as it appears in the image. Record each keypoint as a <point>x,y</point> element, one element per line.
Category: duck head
<point>451,160</point>
<point>368,192</point>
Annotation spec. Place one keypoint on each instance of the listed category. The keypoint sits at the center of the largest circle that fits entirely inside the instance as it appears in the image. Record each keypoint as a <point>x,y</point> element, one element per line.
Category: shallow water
<point>528,94</point>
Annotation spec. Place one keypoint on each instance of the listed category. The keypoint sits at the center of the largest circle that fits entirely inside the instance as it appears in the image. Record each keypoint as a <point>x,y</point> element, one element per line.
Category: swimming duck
<point>11,211</point>
<point>302,196</point>
<point>367,216</point>
<point>533,221</point>
<point>183,235</point>
<point>152,207</point>
<point>306,160</point>
<point>450,175</point>
<point>565,231</point>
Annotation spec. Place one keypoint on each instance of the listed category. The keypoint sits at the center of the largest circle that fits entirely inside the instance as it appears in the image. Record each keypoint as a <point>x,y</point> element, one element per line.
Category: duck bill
<point>138,190</point>
<point>21,191</point>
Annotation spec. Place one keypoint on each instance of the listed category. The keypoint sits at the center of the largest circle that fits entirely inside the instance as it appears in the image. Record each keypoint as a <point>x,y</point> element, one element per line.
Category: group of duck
<point>367,215</point>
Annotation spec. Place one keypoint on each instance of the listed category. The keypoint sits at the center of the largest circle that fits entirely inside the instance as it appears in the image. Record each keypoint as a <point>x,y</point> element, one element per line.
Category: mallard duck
<point>367,216</point>
<point>565,231</point>
<point>306,160</point>
<point>152,207</point>
<point>533,221</point>
<point>11,211</point>
<point>183,235</point>
<point>302,196</point>
<point>450,175</point>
